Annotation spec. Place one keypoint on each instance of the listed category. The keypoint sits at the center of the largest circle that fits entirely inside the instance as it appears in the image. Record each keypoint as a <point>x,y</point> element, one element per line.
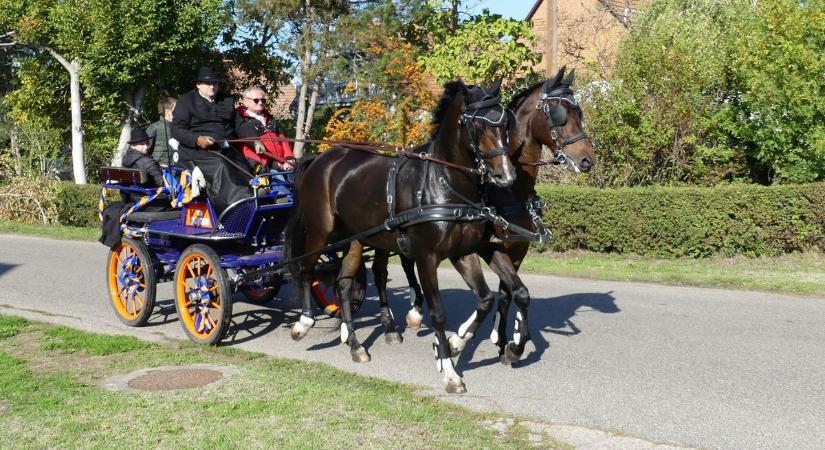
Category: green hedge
<point>77,204</point>
<point>685,221</point>
<point>666,222</point>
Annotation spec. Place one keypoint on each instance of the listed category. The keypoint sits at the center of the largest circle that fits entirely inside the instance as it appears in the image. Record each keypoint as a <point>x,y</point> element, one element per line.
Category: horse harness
<point>557,117</point>
<point>468,211</point>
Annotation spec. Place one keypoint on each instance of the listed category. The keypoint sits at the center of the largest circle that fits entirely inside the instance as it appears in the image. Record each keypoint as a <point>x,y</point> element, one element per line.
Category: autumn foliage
<point>398,113</point>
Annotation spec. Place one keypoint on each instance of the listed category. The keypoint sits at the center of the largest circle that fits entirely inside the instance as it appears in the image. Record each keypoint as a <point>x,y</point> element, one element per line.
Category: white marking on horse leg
<point>344,333</point>
<point>462,330</point>
<point>414,318</point>
<point>494,333</point>
<point>517,329</point>
<point>308,322</point>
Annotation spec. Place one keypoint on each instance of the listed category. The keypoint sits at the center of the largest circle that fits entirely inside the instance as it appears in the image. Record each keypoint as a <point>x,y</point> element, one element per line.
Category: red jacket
<point>250,127</point>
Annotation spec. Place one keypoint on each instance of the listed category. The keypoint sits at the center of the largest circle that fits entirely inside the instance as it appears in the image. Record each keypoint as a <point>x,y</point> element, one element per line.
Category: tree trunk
<point>78,162</point>
<point>313,100</point>
<point>300,123</point>
<point>134,108</point>
<point>15,151</point>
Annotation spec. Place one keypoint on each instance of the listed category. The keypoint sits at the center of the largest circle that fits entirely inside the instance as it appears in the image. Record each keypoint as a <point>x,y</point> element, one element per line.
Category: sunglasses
<point>257,100</point>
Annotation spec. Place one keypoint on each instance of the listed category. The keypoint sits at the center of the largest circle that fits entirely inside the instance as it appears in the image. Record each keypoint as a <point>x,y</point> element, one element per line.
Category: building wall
<point>589,32</point>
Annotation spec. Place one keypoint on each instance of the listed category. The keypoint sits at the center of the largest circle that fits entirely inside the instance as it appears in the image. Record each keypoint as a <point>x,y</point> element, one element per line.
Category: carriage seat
<point>153,216</point>
<point>123,175</point>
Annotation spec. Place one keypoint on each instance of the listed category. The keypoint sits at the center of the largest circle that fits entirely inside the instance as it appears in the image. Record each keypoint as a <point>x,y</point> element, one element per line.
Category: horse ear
<point>570,77</point>
<point>495,89</point>
<point>559,75</point>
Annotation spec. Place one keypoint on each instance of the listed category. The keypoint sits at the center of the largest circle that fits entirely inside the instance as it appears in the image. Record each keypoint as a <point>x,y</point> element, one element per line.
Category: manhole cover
<point>167,380</point>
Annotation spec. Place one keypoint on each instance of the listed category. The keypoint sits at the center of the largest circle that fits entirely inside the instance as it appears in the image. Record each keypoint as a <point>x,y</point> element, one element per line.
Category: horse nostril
<point>585,164</point>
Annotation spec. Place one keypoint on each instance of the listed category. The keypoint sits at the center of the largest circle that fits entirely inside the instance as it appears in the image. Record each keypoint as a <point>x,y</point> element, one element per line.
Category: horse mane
<point>451,89</point>
<point>521,96</point>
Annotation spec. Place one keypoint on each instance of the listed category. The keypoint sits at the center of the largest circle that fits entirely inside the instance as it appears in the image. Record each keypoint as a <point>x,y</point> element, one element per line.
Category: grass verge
<point>797,273</point>
<point>50,397</point>
<point>51,231</point>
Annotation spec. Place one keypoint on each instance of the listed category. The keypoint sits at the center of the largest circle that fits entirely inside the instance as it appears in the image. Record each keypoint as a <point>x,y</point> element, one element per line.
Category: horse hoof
<point>503,360</point>
<point>414,319</point>
<point>510,354</point>
<point>456,344</point>
<point>393,338</point>
<point>298,331</point>
<point>360,355</point>
<point>455,386</point>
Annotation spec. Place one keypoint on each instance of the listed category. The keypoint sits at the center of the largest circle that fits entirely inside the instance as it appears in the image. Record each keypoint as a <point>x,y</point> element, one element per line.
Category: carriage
<point>209,257</point>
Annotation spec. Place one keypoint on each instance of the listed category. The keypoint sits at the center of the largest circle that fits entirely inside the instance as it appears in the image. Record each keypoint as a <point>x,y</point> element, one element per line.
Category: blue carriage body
<point>247,235</point>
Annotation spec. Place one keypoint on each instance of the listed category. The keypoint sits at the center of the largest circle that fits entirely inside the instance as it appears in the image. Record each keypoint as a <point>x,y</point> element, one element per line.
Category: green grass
<point>51,398</point>
<point>51,231</point>
<point>71,340</point>
<point>799,273</point>
<point>11,325</point>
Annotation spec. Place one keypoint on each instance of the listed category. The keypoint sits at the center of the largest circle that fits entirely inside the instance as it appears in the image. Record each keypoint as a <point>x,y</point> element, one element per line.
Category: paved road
<point>696,367</point>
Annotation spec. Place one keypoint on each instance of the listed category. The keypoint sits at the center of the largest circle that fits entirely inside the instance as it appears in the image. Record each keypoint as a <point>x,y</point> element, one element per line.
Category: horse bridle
<point>467,120</point>
<point>557,117</point>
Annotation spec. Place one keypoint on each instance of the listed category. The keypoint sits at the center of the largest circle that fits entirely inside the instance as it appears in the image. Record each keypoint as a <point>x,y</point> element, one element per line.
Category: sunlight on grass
<point>53,399</point>
<point>70,340</point>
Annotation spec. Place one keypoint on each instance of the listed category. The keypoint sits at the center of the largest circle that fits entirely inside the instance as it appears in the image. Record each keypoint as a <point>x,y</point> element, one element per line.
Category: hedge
<point>668,222</point>
<point>674,222</point>
<point>28,200</point>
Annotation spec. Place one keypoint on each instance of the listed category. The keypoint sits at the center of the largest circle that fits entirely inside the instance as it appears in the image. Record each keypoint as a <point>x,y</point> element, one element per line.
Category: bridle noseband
<point>466,119</point>
<point>557,117</point>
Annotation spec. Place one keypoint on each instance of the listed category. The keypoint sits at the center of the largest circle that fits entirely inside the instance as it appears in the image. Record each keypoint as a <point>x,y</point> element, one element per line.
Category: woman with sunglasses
<point>254,121</point>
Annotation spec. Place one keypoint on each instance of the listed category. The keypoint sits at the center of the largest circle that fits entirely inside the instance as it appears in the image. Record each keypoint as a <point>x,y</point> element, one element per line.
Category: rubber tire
<point>359,292</point>
<point>224,294</point>
<point>149,280</point>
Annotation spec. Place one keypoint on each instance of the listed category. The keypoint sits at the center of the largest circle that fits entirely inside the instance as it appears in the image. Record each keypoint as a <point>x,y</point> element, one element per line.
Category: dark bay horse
<point>345,192</point>
<point>547,115</point>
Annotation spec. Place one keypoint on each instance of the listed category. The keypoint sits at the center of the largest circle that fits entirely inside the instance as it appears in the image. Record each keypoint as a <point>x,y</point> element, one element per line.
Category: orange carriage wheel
<point>130,275</point>
<point>323,292</point>
<point>203,295</point>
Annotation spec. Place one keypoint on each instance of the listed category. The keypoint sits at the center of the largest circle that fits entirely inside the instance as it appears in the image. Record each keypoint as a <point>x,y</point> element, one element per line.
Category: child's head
<point>165,107</point>
<point>140,141</point>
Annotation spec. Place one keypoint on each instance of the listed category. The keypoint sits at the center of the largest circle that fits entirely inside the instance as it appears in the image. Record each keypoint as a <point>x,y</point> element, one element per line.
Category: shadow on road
<point>6,268</point>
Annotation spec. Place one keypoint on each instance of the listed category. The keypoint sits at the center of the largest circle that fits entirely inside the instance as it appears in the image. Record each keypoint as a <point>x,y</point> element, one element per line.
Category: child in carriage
<point>139,156</point>
<point>254,121</point>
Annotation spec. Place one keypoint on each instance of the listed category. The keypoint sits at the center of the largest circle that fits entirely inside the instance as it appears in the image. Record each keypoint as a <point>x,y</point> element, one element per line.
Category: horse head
<point>471,120</point>
<point>549,114</point>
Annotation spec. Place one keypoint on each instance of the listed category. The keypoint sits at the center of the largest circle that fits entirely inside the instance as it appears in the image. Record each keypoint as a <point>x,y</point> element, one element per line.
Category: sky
<point>514,9</point>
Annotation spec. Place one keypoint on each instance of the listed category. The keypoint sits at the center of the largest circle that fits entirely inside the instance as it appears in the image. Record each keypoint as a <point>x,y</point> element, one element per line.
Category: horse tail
<point>295,234</point>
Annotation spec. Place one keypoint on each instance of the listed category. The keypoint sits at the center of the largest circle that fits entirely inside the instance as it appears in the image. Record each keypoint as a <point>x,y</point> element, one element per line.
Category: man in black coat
<point>201,121</point>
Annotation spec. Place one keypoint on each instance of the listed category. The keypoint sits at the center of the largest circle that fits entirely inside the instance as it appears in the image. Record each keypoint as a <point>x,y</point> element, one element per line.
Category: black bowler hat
<point>208,74</point>
<point>138,135</point>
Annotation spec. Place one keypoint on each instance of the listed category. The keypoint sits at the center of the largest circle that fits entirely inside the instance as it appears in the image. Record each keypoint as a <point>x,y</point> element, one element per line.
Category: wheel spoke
<point>190,272</point>
<point>138,298</point>
<point>199,266</point>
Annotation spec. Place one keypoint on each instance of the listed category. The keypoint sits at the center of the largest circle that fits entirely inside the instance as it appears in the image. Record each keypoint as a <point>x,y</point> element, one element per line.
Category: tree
<point>664,115</point>
<point>779,109</point>
<point>308,36</point>
<point>119,49</point>
<point>483,49</point>
<point>397,112</point>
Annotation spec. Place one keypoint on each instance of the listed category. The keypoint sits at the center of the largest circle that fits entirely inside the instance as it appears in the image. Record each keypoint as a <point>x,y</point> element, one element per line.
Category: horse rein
<point>558,153</point>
